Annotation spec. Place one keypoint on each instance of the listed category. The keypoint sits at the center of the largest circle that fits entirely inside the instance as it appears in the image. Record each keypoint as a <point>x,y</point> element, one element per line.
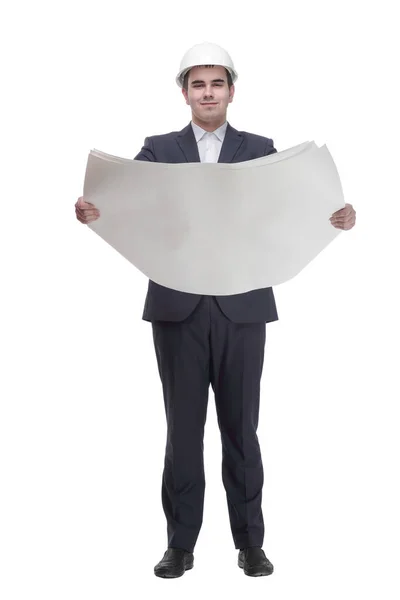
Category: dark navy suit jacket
<point>163,303</point>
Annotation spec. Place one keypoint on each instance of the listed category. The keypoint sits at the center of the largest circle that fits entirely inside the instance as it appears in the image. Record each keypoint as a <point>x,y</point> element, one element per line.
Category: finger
<point>344,212</point>
<point>88,212</point>
<point>348,226</point>
<point>344,223</point>
<point>339,219</point>
<point>86,220</point>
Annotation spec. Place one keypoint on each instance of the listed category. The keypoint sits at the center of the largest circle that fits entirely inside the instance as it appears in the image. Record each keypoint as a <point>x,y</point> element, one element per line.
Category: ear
<point>185,95</point>
<point>231,92</point>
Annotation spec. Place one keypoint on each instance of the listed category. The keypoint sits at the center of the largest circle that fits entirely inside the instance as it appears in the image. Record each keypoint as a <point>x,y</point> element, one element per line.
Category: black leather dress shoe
<point>254,562</point>
<point>174,563</point>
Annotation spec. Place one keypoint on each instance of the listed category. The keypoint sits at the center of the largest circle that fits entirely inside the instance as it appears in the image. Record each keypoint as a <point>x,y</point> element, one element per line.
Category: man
<point>203,340</point>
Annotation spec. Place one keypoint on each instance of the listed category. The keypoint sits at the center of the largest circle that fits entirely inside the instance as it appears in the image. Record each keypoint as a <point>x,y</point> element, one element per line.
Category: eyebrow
<point>213,81</point>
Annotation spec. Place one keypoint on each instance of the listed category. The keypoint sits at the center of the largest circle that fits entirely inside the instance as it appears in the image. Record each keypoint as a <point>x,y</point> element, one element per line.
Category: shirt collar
<point>199,131</point>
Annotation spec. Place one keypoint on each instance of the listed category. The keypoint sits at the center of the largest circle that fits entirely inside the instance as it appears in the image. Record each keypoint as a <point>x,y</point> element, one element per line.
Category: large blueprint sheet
<point>217,228</point>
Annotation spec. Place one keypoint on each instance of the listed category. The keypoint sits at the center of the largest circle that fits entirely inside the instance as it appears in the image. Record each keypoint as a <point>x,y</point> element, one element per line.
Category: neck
<point>209,125</point>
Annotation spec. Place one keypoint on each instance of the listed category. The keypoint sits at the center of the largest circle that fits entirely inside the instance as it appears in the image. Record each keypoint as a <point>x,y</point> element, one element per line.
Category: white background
<point>82,423</point>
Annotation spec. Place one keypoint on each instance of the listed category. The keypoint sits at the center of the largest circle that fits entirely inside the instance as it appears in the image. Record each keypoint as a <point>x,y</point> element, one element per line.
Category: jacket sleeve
<point>147,151</point>
<point>269,148</point>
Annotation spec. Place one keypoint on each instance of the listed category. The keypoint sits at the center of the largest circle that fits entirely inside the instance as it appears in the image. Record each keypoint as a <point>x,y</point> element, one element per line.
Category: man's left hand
<point>345,218</point>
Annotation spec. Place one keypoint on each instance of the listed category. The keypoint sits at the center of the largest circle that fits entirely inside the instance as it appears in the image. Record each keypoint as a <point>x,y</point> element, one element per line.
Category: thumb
<point>83,203</point>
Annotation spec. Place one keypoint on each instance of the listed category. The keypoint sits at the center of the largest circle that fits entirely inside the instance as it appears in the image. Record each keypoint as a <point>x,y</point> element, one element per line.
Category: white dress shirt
<point>209,143</point>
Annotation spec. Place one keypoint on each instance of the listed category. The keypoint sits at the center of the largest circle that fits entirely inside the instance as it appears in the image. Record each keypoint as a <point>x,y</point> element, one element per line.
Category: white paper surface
<point>217,228</point>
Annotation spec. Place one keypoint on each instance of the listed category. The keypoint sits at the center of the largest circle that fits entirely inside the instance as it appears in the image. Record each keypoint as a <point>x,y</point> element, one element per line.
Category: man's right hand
<point>86,212</point>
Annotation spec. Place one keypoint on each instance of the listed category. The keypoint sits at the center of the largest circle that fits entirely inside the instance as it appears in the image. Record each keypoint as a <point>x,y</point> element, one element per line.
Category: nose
<point>208,92</point>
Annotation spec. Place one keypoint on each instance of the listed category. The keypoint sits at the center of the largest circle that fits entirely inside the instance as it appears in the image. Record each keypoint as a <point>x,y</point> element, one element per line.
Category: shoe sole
<point>254,574</point>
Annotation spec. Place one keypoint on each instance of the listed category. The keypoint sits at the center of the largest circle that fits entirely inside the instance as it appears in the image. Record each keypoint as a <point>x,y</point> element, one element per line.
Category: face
<point>208,96</point>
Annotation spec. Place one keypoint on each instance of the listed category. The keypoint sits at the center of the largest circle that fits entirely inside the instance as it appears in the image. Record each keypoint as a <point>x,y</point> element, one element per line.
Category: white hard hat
<point>205,54</point>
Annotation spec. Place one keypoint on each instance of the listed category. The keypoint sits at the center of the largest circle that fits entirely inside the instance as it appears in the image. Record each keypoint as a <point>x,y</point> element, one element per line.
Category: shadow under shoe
<point>174,563</point>
<point>254,562</point>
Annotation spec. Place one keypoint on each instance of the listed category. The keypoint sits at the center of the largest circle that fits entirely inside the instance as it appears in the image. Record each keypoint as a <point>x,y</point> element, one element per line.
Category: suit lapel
<point>187,142</point>
<point>231,144</point>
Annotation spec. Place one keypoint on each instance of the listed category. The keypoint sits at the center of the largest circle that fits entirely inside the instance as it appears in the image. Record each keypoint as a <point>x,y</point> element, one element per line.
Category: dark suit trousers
<point>207,348</point>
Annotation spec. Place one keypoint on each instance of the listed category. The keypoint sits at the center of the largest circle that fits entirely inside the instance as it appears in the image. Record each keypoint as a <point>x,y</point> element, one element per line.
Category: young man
<point>203,340</point>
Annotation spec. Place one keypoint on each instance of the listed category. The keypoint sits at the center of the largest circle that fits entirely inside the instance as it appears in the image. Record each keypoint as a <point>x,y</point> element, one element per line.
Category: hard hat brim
<point>181,75</point>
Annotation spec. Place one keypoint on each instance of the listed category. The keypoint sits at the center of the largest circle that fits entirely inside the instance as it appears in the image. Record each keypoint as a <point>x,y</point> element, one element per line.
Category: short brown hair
<point>186,78</point>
